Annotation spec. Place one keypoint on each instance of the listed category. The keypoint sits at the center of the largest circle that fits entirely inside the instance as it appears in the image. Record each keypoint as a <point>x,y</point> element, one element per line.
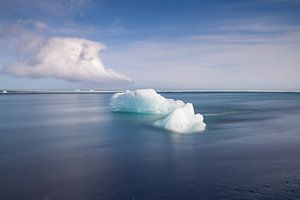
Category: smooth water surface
<point>71,146</point>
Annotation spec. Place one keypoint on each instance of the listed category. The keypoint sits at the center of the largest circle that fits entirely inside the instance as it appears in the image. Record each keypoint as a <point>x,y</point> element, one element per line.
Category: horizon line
<point>14,91</point>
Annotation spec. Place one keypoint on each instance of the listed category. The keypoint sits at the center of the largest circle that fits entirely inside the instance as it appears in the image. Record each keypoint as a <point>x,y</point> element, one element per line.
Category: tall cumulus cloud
<point>72,59</point>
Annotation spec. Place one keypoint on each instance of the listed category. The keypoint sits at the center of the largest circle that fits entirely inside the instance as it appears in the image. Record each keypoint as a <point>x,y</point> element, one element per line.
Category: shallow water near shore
<point>71,146</point>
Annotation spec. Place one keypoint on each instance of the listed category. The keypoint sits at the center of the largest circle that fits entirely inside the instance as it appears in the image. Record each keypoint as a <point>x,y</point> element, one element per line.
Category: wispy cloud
<point>282,1</point>
<point>215,61</point>
<point>243,4</point>
<point>35,23</point>
<point>45,7</point>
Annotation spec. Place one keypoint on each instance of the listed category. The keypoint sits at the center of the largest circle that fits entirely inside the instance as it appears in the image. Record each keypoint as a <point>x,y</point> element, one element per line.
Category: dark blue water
<point>70,146</point>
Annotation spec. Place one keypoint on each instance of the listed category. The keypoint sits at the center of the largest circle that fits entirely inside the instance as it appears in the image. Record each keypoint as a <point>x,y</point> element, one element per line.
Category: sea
<point>71,146</point>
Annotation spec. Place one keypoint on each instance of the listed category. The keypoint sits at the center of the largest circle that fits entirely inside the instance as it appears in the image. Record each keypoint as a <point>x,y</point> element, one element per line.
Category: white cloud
<point>283,1</point>
<point>35,23</point>
<point>72,59</point>
<point>57,8</point>
<point>214,61</point>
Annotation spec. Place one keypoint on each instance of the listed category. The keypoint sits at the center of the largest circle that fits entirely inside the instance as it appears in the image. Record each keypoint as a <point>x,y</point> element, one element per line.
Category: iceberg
<point>182,120</point>
<point>177,116</point>
<point>143,101</point>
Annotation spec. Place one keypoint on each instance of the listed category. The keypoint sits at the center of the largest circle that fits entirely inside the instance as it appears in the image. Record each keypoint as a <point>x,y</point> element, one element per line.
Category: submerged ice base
<point>178,116</point>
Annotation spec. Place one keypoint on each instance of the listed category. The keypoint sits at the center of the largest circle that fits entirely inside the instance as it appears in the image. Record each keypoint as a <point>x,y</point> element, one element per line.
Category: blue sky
<point>158,44</point>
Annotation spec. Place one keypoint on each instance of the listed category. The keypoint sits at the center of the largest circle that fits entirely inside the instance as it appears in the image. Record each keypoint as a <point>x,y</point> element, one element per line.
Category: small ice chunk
<point>143,101</point>
<point>182,120</point>
<point>4,92</point>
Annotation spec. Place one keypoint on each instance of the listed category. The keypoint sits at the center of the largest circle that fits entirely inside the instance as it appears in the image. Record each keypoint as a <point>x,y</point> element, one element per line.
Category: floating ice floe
<point>178,116</point>
<point>4,92</point>
<point>143,101</point>
<point>182,120</point>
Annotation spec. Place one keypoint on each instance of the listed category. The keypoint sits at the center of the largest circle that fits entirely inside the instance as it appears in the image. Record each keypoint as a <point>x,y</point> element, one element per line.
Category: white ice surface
<point>143,101</point>
<point>182,120</point>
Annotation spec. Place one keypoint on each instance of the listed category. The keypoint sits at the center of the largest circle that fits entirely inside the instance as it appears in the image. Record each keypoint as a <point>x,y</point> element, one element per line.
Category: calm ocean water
<point>71,146</point>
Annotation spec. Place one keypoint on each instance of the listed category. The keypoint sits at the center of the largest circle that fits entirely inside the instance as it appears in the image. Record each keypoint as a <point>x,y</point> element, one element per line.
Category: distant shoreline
<point>160,91</point>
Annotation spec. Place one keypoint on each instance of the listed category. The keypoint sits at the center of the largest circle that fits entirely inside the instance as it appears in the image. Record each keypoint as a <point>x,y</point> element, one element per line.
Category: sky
<point>166,44</point>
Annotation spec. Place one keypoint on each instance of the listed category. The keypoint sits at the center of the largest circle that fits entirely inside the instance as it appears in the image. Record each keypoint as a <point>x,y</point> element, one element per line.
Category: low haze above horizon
<point>114,44</point>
